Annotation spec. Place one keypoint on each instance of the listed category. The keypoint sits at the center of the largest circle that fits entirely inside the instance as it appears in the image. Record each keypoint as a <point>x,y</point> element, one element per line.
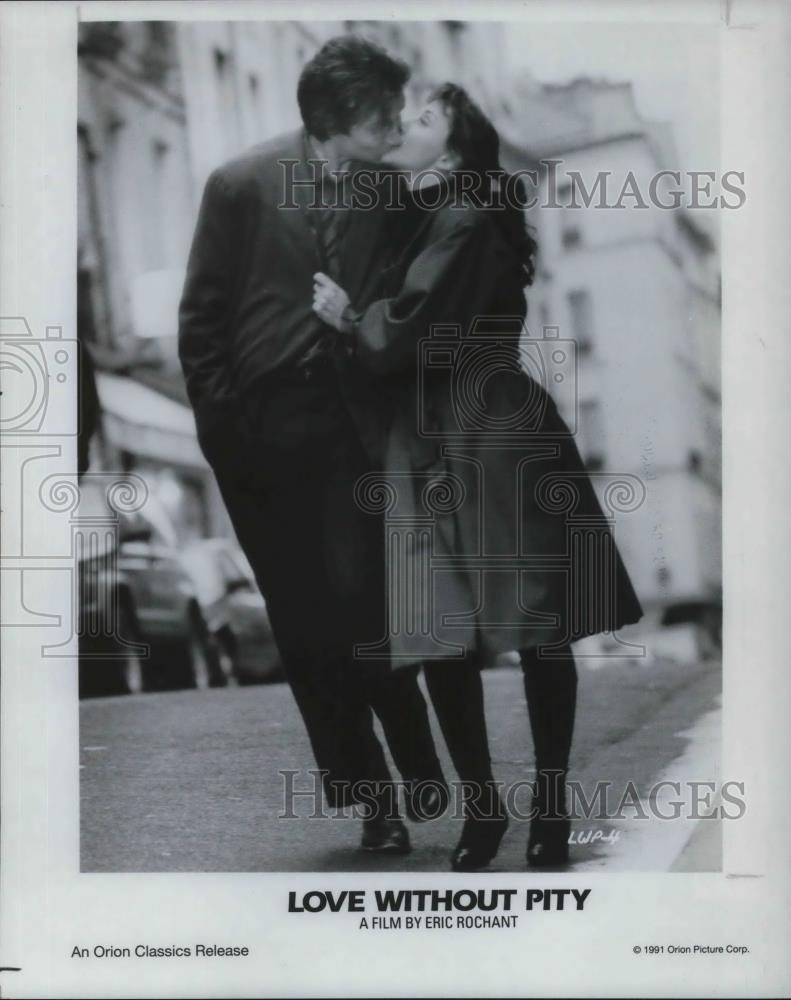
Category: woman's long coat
<point>495,537</point>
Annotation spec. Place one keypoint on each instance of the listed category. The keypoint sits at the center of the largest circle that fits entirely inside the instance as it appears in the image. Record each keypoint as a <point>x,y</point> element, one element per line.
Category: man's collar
<point>314,154</point>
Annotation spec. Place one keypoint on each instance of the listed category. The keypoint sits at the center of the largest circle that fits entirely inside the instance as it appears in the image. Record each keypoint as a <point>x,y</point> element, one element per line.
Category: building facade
<point>135,216</point>
<point>636,287</point>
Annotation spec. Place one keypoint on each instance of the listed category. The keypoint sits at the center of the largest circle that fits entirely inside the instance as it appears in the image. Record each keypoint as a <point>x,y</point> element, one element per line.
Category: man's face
<point>375,135</point>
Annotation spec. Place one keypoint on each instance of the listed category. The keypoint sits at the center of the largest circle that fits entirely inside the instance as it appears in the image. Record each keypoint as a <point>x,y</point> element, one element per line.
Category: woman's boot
<point>551,693</point>
<point>457,696</point>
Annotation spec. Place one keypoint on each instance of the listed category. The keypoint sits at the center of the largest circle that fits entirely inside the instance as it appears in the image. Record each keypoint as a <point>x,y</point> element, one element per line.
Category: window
<point>254,93</point>
<point>159,208</point>
<point>157,55</point>
<point>227,100</point>
<point>570,232</point>
<point>581,315</point>
<point>93,309</point>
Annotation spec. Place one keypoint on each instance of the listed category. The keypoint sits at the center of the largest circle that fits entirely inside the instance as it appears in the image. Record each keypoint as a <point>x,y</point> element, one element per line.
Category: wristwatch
<point>350,327</point>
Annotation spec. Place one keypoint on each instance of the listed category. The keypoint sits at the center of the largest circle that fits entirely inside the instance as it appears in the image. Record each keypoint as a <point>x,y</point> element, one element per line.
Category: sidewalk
<point>683,844</point>
<point>703,851</point>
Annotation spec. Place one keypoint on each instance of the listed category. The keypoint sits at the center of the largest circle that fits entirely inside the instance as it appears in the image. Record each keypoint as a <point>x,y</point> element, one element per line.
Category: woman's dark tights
<point>551,691</point>
<point>551,694</point>
<point>456,693</point>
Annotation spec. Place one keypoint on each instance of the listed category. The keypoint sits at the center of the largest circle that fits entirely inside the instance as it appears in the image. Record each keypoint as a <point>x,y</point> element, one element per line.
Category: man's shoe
<point>385,836</point>
<point>426,799</point>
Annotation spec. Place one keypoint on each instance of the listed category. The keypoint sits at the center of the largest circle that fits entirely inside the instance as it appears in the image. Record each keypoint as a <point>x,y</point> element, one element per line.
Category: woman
<point>525,555</point>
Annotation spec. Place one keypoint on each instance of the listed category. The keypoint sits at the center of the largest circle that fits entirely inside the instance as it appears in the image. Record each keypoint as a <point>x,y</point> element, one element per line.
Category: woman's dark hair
<point>474,139</point>
<point>347,81</point>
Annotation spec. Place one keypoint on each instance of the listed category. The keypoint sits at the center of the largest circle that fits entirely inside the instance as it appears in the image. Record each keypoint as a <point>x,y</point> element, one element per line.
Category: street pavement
<point>189,781</point>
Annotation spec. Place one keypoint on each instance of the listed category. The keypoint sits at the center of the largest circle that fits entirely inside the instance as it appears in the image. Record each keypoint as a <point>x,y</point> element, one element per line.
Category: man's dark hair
<point>348,81</point>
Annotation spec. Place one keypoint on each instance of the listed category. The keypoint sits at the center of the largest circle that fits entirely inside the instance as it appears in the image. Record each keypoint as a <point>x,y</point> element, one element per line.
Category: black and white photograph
<point>411,344</point>
<point>392,510</point>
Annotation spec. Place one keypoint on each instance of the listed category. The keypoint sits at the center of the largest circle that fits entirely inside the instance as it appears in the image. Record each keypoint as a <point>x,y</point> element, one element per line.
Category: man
<point>286,435</point>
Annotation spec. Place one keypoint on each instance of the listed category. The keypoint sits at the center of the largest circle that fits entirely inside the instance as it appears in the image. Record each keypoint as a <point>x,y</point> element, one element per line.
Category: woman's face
<point>425,139</point>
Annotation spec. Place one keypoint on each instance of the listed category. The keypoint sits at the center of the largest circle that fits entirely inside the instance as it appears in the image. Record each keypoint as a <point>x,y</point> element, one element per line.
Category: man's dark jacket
<point>246,314</point>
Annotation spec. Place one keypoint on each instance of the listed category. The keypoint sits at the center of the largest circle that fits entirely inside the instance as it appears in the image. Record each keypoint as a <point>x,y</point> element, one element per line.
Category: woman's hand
<point>329,302</point>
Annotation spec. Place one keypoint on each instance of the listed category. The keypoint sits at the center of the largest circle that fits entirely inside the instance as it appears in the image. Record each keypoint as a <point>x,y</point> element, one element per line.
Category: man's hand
<point>329,302</point>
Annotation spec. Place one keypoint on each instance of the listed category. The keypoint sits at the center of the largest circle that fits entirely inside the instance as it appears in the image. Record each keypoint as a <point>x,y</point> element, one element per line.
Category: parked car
<point>234,610</point>
<point>703,615</point>
<point>140,623</point>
